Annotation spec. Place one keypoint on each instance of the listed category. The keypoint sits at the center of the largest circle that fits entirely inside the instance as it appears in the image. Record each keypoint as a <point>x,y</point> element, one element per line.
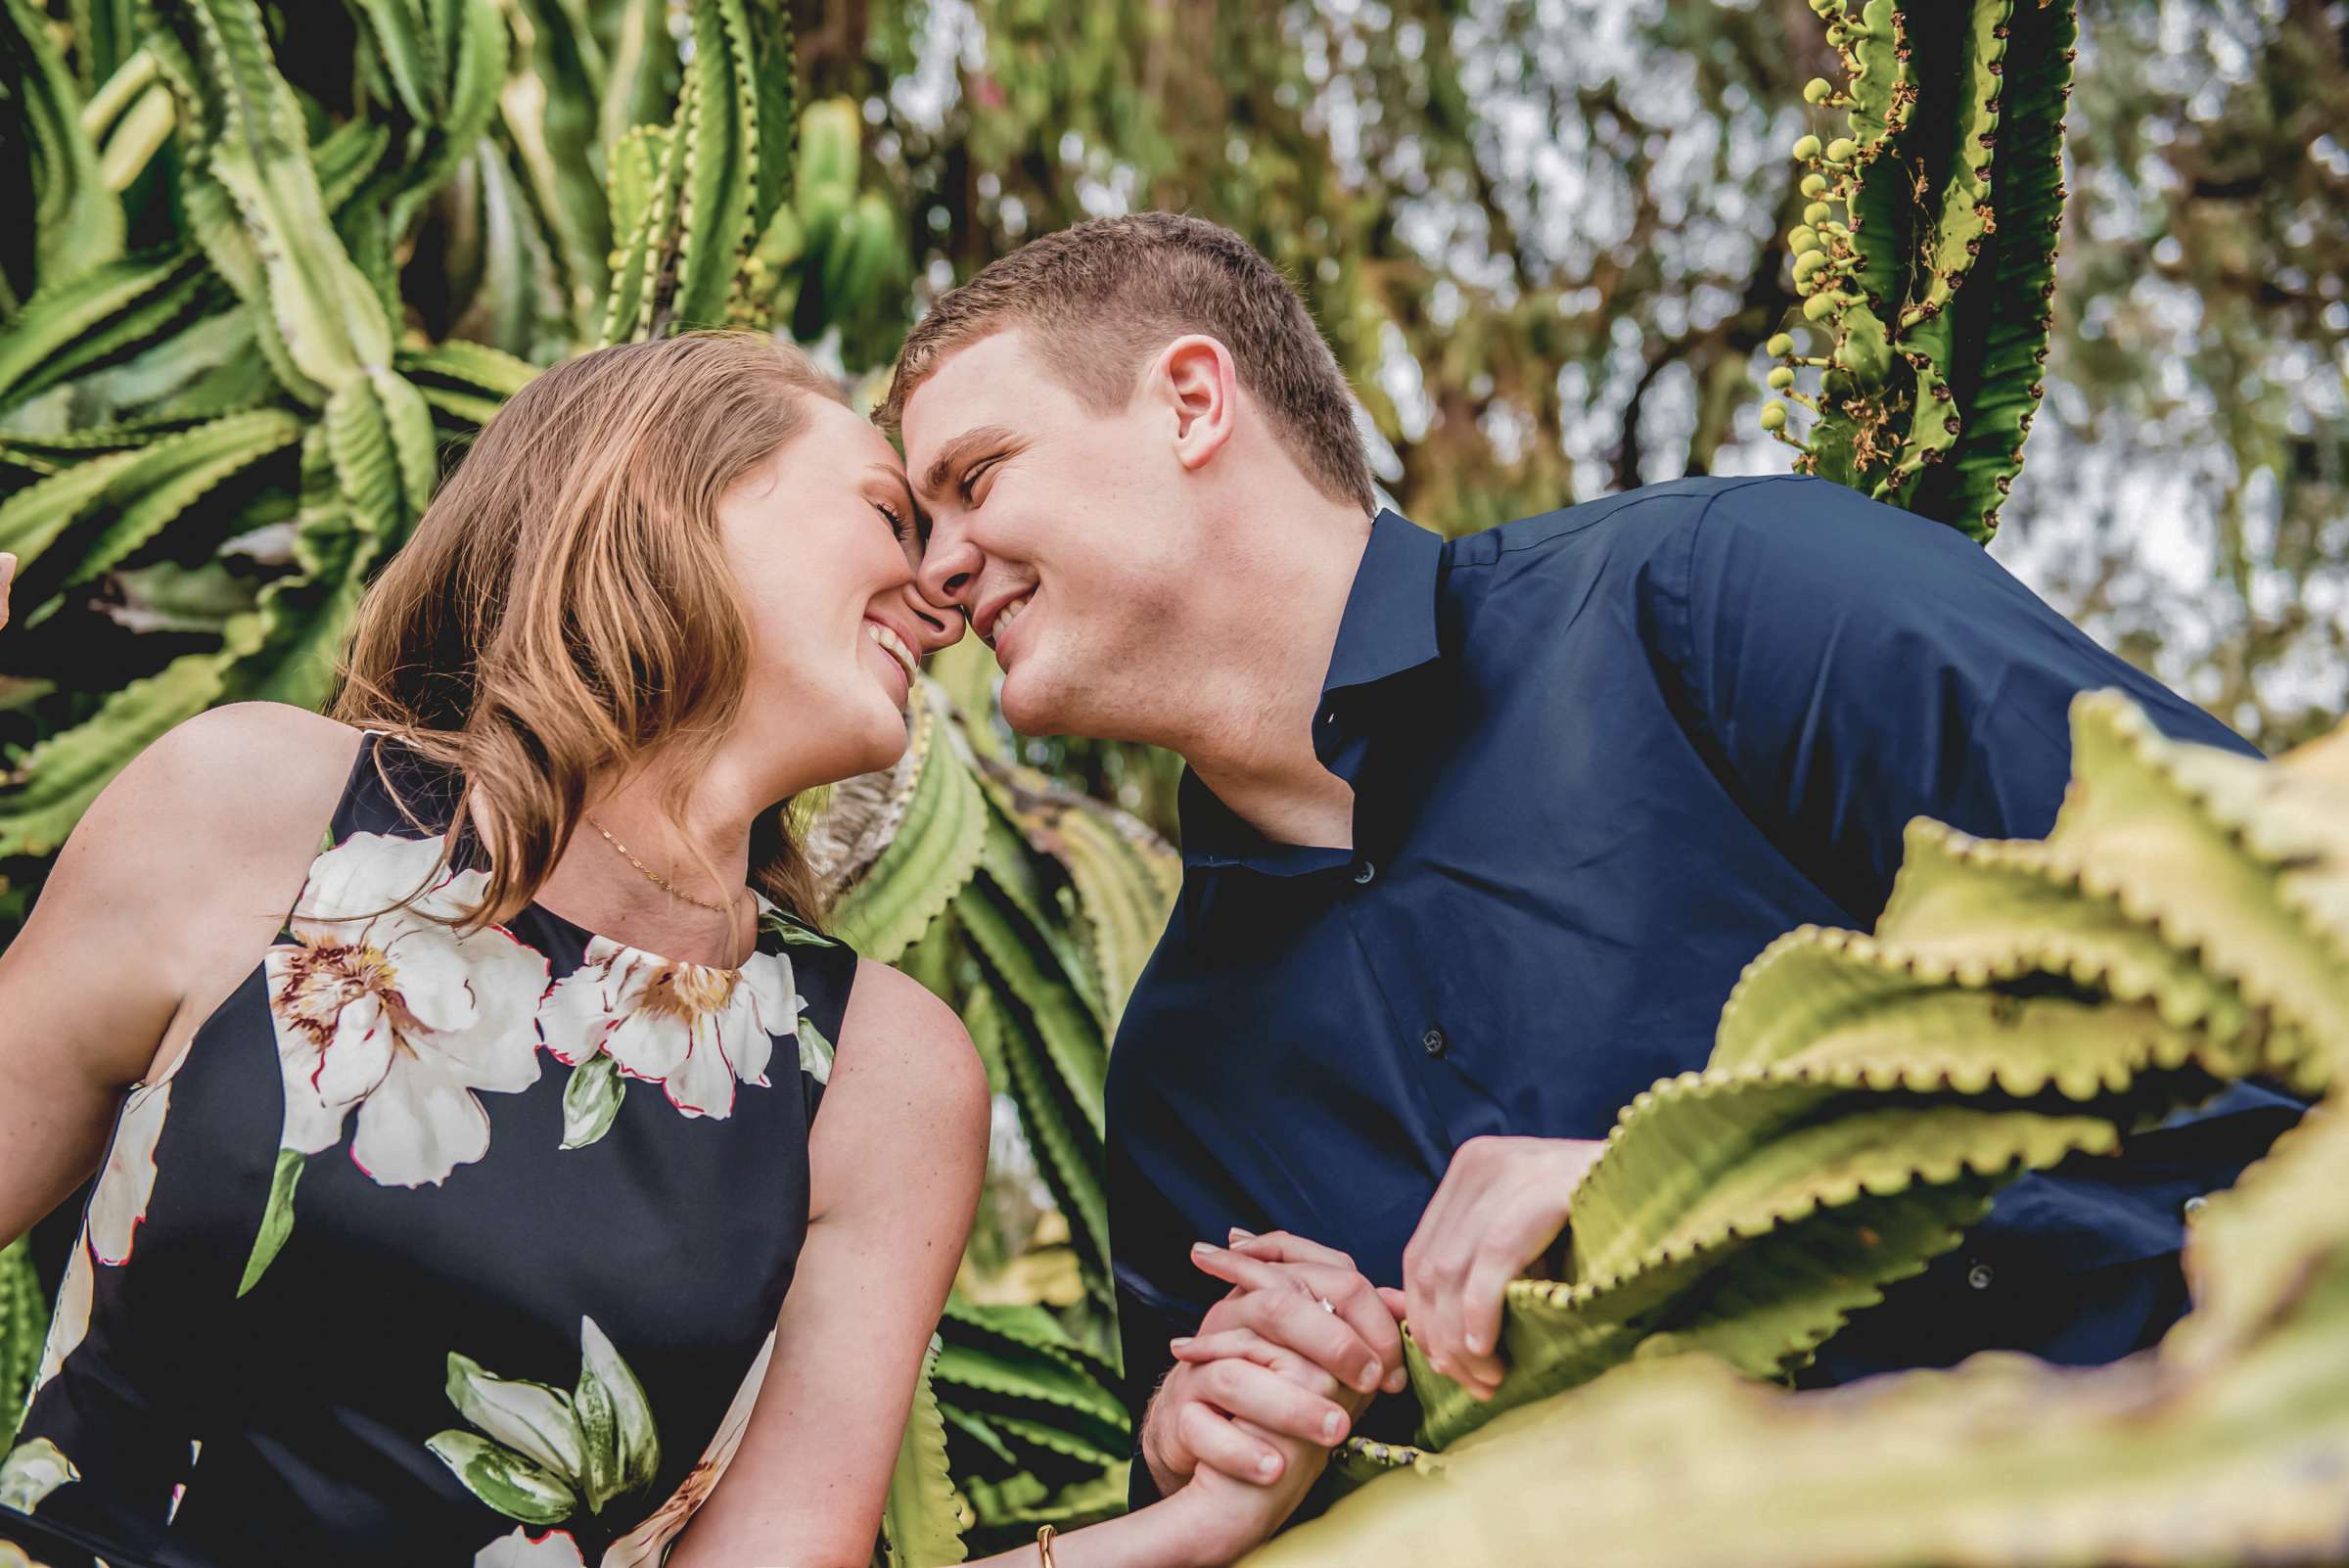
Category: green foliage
<point>24,1321</point>
<point>2001,978</point>
<point>2185,924</point>
<point>1952,175</point>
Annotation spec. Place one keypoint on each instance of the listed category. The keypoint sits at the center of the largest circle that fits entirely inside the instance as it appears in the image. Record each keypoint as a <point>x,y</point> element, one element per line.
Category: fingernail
<point>1179,1342</point>
<point>1475,1344</point>
<point>1333,1426</point>
<point>1237,1234</point>
<point>1367,1378</point>
<point>1205,1246</point>
<point>1397,1381</point>
<point>1269,1466</point>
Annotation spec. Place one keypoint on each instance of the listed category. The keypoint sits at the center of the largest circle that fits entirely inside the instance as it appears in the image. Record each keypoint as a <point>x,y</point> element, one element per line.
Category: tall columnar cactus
<point>2185,924</point>
<point>1926,253</point>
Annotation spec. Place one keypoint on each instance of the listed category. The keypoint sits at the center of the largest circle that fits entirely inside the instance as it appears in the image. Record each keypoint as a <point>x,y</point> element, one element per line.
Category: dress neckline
<point>469,851</point>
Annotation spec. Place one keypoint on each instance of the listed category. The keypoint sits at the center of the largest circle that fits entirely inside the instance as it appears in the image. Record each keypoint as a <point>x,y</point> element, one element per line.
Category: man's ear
<point>1195,377</point>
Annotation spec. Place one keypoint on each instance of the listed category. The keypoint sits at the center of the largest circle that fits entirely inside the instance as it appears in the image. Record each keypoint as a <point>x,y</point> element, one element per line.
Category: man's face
<point>1061,532</point>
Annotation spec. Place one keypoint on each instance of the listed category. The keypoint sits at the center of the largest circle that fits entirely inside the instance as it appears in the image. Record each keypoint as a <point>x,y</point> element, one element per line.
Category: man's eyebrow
<point>959,451</point>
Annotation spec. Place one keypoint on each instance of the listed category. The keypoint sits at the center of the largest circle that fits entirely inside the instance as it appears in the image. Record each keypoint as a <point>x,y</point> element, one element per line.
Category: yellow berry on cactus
<point>1806,148</point>
<point>1773,415</point>
<point>1817,90</point>
<point>1815,185</point>
<point>1781,379</point>
<point>1841,149</point>
<point>1780,344</point>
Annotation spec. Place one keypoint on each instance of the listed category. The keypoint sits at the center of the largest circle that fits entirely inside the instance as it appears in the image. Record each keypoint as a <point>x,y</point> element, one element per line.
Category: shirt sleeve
<point>1146,1321</point>
<point>1852,666</point>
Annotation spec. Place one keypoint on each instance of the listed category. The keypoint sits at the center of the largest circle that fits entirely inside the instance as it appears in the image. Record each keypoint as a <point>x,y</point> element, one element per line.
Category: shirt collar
<point>1389,628</point>
<point>1390,621</point>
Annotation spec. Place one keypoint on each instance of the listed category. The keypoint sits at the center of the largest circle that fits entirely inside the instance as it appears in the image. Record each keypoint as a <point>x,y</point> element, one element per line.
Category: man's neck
<point>1254,746</point>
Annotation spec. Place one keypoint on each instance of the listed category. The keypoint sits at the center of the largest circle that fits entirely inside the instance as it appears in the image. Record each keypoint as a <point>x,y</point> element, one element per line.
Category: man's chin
<point>1034,704</point>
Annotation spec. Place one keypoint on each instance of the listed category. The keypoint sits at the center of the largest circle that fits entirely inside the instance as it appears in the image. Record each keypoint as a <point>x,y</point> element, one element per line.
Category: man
<point>1477,835</point>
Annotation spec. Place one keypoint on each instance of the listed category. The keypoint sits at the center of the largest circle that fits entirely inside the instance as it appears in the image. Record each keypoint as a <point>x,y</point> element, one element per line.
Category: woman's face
<point>823,544</point>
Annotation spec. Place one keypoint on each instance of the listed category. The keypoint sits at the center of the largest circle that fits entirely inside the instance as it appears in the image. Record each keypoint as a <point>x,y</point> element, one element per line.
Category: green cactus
<point>1933,291</point>
<point>23,1322</point>
<point>2186,924</point>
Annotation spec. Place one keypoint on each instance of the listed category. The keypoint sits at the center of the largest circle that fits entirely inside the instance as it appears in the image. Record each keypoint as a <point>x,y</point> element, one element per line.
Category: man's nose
<point>936,625</point>
<point>949,571</point>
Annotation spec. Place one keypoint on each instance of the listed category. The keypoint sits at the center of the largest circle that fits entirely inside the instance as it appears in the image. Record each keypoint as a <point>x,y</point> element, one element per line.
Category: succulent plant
<point>1933,295</point>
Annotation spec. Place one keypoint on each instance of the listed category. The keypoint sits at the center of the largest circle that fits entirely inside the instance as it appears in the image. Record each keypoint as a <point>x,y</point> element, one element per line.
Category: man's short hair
<point>1100,298</point>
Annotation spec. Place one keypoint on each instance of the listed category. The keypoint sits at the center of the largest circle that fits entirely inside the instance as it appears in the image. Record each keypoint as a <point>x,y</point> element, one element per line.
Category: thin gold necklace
<point>660,881</point>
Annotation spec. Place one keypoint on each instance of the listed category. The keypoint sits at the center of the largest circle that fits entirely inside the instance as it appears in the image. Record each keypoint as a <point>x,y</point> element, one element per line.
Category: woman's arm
<point>895,1165</point>
<point>895,1161</point>
<point>162,902</point>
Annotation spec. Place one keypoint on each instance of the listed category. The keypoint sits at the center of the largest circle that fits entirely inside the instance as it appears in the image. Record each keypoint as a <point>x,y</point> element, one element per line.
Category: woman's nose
<point>935,627</point>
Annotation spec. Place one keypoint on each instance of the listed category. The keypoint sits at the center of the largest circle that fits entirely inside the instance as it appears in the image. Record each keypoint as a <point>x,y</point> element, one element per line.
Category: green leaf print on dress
<point>537,1453</point>
<point>30,1472</point>
<point>693,1029</point>
<point>644,1545</point>
<point>382,1006</point>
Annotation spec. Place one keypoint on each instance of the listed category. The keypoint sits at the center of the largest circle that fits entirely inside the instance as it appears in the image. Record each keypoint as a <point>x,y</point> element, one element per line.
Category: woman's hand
<point>1224,1519</point>
<point>1302,1341</point>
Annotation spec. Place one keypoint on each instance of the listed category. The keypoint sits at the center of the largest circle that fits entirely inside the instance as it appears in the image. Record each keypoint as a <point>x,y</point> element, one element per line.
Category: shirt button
<point>2193,1205</point>
<point>1979,1277</point>
<point>1434,1043</point>
<point>1329,715</point>
<point>1364,873</point>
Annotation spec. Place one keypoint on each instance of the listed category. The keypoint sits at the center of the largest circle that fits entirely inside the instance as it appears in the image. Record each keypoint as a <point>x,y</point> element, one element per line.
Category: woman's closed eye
<point>898,525</point>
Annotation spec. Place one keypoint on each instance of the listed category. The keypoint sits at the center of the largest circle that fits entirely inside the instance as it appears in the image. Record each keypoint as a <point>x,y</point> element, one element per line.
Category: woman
<point>476,1034</point>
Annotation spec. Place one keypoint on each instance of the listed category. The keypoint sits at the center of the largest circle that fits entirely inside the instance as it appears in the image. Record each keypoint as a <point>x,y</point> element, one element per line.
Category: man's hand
<point>1295,1350</point>
<point>1500,1205</point>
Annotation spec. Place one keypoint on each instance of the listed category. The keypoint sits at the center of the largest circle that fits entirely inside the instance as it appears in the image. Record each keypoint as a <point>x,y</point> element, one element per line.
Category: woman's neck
<point>606,878</point>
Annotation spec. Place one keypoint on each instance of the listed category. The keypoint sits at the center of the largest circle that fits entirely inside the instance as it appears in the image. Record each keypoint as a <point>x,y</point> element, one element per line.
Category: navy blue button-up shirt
<point>1600,757</point>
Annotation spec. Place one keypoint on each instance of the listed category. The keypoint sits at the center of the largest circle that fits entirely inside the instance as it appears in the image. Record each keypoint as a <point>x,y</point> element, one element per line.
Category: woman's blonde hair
<point>564,607</point>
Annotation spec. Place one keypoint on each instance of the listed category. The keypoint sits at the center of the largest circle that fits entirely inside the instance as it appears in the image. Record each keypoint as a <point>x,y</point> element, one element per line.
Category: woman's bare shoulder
<point>903,1051</point>
<point>249,773</point>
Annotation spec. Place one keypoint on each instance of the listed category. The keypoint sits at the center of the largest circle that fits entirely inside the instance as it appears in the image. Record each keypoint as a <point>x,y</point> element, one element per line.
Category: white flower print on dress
<point>118,1205</point>
<point>382,1008</point>
<point>693,1029</point>
<point>554,1549</point>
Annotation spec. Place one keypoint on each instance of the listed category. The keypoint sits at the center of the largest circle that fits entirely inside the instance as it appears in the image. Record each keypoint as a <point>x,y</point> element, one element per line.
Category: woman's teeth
<point>895,646</point>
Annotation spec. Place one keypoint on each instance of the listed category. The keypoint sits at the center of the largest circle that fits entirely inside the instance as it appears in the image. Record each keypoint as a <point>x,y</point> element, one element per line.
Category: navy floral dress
<point>433,1249</point>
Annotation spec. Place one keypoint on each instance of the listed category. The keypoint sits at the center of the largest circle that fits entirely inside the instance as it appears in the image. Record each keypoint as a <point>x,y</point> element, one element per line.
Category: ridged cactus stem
<point>1949,173</point>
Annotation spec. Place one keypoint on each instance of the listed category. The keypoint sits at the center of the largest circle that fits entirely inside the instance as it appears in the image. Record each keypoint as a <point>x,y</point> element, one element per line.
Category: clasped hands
<point>1283,1365</point>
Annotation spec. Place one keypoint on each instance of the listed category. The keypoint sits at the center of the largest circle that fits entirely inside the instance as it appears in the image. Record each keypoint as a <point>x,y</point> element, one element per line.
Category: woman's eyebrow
<point>960,450</point>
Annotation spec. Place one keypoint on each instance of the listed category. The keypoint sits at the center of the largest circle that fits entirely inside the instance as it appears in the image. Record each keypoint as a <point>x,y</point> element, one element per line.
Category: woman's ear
<point>1194,376</point>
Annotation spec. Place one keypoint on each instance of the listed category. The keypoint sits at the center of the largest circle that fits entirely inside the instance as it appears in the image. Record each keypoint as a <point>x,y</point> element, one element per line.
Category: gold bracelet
<point>1044,1547</point>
